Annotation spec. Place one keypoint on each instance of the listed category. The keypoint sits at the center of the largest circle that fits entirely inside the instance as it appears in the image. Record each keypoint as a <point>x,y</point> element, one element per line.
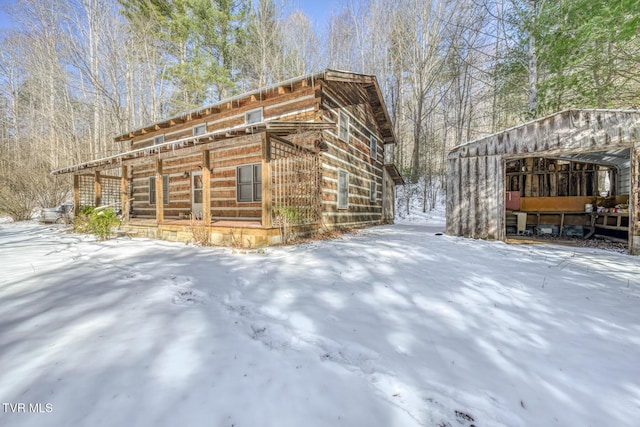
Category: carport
<point>573,172</point>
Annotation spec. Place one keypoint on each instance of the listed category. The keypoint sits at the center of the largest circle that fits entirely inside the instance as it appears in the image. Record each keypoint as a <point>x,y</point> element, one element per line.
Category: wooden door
<point>196,195</point>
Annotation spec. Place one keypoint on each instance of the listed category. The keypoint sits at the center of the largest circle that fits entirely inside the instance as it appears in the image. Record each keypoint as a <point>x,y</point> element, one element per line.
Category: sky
<point>4,19</point>
<point>317,10</point>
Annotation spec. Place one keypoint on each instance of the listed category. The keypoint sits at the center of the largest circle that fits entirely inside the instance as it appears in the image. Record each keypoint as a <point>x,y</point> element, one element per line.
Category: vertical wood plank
<point>266,182</point>
<point>206,187</point>
<point>97,189</point>
<point>483,216</point>
<point>124,194</point>
<point>472,192</point>
<point>464,196</point>
<point>76,194</point>
<point>159,192</point>
<point>496,226</point>
<point>634,202</point>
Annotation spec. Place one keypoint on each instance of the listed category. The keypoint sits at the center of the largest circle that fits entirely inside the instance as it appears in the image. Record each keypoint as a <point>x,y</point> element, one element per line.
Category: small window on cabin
<point>343,189</point>
<point>253,116</point>
<point>158,140</point>
<point>249,183</point>
<point>372,192</point>
<point>373,147</point>
<point>165,190</point>
<point>199,130</point>
<point>343,126</point>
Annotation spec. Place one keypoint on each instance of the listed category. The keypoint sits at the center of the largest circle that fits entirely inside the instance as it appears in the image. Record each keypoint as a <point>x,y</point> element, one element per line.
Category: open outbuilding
<point>573,172</point>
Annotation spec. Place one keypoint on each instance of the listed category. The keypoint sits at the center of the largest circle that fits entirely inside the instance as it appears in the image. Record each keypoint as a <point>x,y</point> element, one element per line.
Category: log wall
<point>354,157</point>
<point>223,160</point>
<point>299,105</point>
<point>321,101</point>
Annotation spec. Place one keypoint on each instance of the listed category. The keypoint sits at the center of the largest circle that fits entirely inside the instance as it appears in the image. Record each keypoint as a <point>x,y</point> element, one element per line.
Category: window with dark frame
<point>249,183</point>
<point>165,190</point>
<point>253,116</point>
<point>373,147</point>
<point>372,192</point>
<point>200,129</point>
<point>343,189</point>
<point>343,126</point>
<point>158,140</point>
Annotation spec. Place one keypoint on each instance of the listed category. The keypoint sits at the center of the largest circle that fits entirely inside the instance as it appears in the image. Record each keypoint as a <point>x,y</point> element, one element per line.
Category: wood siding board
<point>97,189</point>
<point>497,213</point>
<point>266,181</point>
<point>206,187</point>
<point>159,192</point>
<point>464,200</point>
<point>483,194</point>
<point>634,201</point>
<point>472,191</point>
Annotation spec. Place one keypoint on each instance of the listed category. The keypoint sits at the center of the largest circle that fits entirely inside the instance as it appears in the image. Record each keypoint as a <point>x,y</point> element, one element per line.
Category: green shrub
<point>97,222</point>
<point>289,213</point>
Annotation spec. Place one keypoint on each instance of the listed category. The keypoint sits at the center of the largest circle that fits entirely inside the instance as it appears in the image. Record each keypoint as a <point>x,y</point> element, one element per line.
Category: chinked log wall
<point>223,161</point>
<point>476,170</point>
<point>353,156</point>
<point>225,155</point>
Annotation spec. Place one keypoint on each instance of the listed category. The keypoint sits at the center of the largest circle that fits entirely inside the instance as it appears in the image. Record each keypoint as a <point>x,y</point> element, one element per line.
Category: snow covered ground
<point>392,326</point>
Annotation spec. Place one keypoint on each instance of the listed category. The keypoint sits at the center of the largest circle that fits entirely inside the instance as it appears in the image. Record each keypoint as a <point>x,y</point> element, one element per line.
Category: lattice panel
<point>87,190</point>
<point>295,185</point>
<point>111,192</point>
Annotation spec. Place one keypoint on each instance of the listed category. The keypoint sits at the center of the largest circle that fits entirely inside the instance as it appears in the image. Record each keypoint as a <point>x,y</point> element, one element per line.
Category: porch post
<point>159,192</point>
<point>634,202</point>
<point>266,181</point>
<point>76,194</point>
<point>124,194</point>
<point>97,188</point>
<point>206,187</point>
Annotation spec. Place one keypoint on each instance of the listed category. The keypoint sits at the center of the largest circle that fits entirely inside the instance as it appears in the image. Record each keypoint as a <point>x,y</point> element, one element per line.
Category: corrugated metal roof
<point>540,119</point>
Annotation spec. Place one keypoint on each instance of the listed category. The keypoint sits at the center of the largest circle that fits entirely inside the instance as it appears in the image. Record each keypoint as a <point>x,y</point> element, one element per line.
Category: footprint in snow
<point>183,292</point>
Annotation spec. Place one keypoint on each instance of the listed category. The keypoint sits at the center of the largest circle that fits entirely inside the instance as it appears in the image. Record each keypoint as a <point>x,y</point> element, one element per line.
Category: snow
<point>391,326</point>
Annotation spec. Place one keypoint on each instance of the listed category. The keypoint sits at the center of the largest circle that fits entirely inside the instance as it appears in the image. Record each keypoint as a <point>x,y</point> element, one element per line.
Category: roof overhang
<point>369,82</point>
<point>279,128</point>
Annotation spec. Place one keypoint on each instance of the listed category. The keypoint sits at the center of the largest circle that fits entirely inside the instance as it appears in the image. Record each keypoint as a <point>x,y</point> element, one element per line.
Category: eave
<point>369,82</point>
<point>279,128</point>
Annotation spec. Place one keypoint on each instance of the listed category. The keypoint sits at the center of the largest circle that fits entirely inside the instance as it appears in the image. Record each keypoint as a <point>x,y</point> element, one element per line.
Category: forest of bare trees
<point>75,73</point>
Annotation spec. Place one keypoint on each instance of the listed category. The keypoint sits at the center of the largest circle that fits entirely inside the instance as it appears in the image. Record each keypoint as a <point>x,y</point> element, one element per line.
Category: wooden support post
<point>124,193</point>
<point>634,202</point>
<point>159,192</point>
<point>97,188</point>
<point>206,187</point>
<point>266,181</point>
<point>76,194</point>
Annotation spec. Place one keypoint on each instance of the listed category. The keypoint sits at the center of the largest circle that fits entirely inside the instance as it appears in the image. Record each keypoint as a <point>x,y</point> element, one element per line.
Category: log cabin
<point>575,172</point>
<point>306,154</point>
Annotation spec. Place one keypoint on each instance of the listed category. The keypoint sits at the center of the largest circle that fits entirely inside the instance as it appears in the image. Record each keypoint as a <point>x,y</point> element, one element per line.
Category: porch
<point>252,191</point>
<point>244,234</point>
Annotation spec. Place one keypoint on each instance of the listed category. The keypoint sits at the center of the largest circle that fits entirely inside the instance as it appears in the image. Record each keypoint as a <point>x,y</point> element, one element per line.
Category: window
<point>372,192</point>
<point>158,140</point>
<point>199,130</point>
<point>373,147</point>
<point>249,183</point>
<point>253,116</point>
<point>165,190</point>
<point>343,189</point>
<point>343,126</point>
